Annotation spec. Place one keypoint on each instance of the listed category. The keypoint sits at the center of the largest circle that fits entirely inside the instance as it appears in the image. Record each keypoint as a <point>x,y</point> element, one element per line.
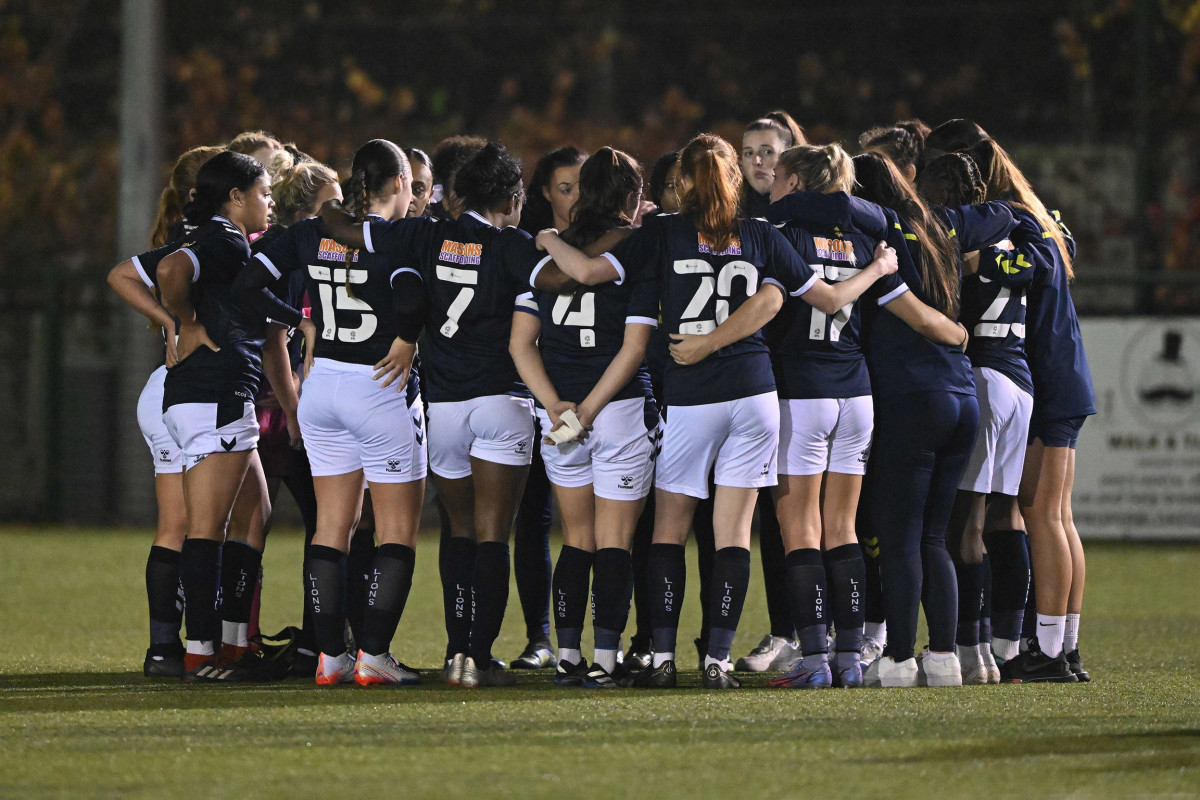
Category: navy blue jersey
<point>993,308</point>
<point>1062,380</point>
<point>218,251</point>
<point>473,272</point>
<point>700,288</point>
<point>900,360</point>
<point>816,355</point>
<point>582,334</point>
<point>352,305</point>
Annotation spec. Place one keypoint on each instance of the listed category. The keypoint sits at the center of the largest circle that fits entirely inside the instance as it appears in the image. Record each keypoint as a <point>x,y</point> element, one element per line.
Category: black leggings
<point>921,445</point>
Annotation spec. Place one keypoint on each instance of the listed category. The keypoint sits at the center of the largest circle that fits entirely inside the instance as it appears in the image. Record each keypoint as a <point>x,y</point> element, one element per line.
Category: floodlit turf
<point>78,720</point>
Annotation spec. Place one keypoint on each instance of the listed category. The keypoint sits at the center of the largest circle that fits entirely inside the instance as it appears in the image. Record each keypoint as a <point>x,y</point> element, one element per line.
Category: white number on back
<point>454,313</point>
<point>583,317</point>
<point>721,285</point>
<point>334,297</point>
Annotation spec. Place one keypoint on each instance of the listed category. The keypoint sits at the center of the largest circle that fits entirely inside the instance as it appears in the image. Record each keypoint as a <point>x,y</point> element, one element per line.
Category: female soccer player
<point>480,415</point>
<point>762,142</point>
<point>422,181</point>
<point>926,414</point>
<point>369,311</point>
<point>901,143</point>
<point>553,190</point>
<point>1062,399</point>
<point>720,279</point>
<point>826,420</point>
<point>584,353</point>
<point>208,404</point>
<point>164,657</point>
<point>987,503</point>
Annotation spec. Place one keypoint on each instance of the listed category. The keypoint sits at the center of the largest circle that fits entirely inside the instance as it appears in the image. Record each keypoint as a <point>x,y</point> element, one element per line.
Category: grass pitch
<point>77,719</point>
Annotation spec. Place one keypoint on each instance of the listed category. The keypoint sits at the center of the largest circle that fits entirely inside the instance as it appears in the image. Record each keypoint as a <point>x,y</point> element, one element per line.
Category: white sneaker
<point>872,649</point>
<point>383,670</point>
<point>974,668</point>
<point>938,672</point>
<point>886,673</point>
<point>453,670</point>
<point>989,660</point>
<point>773,652</point>
<point>332,670</point>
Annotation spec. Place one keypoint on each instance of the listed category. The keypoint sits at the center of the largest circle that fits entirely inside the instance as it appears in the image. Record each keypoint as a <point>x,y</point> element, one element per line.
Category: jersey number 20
<point>721,285</point>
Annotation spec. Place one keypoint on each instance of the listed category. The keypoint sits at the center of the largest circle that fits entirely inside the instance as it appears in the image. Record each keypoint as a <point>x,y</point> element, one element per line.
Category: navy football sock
<point>847,575</point>
<point>1008,554</point>
<point>774,568</point>
<point>570,595</point>
<point>970,600</point>
<point>457,566</point>
<point>358,565</point>
<point>200,574</point>
<point>389,580</point>
<point>806,589</point>
<point>491,599</point>
<point>667,569</point>
<point>612,570</point>
<point>727,595</point>
<point>164,595</point>
<point>326,586</point>
<point>531,551</point>
<point>240,564</point>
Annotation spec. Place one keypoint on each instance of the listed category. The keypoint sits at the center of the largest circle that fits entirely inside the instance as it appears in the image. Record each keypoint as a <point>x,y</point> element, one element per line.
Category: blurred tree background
<point>1097,97</point>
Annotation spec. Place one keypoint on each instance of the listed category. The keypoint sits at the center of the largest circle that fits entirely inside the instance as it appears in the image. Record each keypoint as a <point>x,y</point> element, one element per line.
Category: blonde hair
<point>710,165</point>
<point>175,196</point>
<point>823,169</point>
<point>295,188</point>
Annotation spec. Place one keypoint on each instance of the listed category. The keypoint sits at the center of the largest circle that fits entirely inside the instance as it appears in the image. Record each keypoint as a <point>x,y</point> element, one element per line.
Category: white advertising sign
<point>1137,469</point>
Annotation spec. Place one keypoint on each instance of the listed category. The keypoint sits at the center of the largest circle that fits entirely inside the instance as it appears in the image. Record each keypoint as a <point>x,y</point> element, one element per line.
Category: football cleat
<point>383,670</point>
<point>568,674</point>
<point>885,673</point>
<point>200,668</point>
<point>661,677</point>
<point>989,660</point>
<point>849,676</point>
<point>1076,665</point>
<point>332,670</point>
<point>164,661</point>
<point>598,678</point>
<point>804,677</point>
<point>872,650</point>
<point>718,677</point>
<point>492,675</point>
<point>453,670</point>
<point>773,652</point>
<point>536,655</point>
<point>1034,666</point>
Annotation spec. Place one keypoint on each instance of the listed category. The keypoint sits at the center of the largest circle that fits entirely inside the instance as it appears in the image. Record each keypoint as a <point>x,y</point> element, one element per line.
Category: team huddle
<point>879,354</point>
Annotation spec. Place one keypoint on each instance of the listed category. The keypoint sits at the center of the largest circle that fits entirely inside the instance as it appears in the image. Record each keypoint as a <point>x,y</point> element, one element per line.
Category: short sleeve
<point>636,257</point>
<point>286,253</point>
<point>218,257</point>
<point>146,264</point>
<point>784,266</point>
<point>400,239</point>
<point>643,303</point>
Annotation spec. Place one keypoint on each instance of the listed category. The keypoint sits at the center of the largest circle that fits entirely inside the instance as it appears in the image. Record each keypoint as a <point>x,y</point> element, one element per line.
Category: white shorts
<point>497,428</point>
<point>739,439</point>
<point>350,422</point>
<point>168,458</point>
<point>825,435</point>
<point>999,452</point>
<point>617,458</point>
<point>201,429</point>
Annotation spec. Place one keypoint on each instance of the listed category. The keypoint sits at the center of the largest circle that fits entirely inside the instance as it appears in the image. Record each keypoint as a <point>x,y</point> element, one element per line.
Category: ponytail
<point>1006,182</point>
<point>822,169</point>
<point>173,198</point>
<point>710,165</point>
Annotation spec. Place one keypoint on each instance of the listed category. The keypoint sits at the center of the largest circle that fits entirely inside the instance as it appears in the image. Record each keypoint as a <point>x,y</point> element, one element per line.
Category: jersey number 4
<point>583,317</point>
<point>334,294</point>
<point>721,285</point>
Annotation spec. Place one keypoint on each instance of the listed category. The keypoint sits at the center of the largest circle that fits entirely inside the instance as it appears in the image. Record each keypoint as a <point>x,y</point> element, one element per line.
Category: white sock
<point>662,658</point>
<point>606,659</point>
<point>1071,633</point>
<point>1004,649</point>
<point>1050,634</point>
<point>198,648</point>
<point>235,633</point>
<point>570,656</point>
<point>876,631</point>
<point>725,665</point>
<point>932,656</point>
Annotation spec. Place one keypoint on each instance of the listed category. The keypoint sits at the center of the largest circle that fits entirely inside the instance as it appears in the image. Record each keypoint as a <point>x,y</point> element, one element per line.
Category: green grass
<point>78,720</point>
